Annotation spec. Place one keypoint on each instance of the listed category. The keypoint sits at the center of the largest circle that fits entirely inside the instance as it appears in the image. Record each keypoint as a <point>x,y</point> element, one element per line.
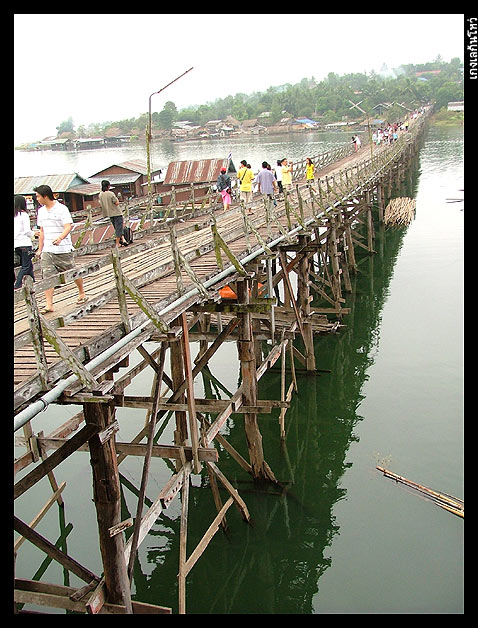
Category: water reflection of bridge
<point>322,236</point>
<point>277,568</point>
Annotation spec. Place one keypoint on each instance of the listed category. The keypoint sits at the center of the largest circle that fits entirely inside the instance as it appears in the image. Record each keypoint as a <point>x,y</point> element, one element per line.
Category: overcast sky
<point>103,67</point>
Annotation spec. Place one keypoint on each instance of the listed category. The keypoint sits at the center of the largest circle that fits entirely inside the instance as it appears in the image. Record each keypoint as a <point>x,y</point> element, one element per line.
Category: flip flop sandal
<point>82,300</point>
<point>45,310</point>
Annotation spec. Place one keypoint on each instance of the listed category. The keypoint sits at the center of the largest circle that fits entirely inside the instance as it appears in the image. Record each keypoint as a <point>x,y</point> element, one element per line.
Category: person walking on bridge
<point>224,187</point>
<point>287,175</point>
<point>267,183</point>
<point>22,239</point>
<point>246,177</point>
<point>309,171</point>
<point>55,247</point>
<point>278,171</point>
<point>110,209</point>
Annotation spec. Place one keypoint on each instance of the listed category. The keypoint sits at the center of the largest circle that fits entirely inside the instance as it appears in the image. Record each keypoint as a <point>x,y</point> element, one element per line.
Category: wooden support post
<point>287,283</point>
<point>270,288</point>
<point>343,253</point>
<point>107,498</point>
<point>370,229</point>
<point>344,265</point>
<point>282,389</point>
<point>380,201</point>
<point>183,536</point>
<point>352,264</point>
<point>334,256</point>
<point>256,323</point>
<point>288,294</point>
<point>177,376</point>
<point>193,425</point>
<point>260,469</point>
<point>303,295</point>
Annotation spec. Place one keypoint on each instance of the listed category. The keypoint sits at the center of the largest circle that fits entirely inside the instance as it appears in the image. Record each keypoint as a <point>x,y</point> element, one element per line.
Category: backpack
<point>223,182</point>
<point>128,235</point>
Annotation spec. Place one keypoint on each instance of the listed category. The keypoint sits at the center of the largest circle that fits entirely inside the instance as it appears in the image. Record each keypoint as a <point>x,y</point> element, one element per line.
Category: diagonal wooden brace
<point>67,355</point>
<point>144,305</point>
<point>220,244</point>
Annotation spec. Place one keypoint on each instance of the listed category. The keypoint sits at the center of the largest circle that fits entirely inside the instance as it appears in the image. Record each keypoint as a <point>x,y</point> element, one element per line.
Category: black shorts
<point>118,225</point>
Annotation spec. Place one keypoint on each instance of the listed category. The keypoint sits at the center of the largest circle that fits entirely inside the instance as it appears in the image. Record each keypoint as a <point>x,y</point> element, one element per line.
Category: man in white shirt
<point>54,245</point>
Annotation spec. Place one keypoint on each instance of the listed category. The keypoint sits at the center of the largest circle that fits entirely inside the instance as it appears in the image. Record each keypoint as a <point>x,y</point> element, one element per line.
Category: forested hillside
<point>328,100</point>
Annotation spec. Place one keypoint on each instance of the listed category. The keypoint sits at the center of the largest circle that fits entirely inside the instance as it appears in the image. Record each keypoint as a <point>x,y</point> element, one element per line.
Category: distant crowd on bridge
<point>269,182</point>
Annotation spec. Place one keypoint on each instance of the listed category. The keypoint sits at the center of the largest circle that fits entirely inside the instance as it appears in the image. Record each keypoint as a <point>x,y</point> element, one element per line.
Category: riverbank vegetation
<point>448,118</point>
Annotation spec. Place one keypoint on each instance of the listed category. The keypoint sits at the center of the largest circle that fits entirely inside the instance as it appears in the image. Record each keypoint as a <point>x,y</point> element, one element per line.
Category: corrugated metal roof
<point>201,171</point>
<point>116,179</point>
<point>137,165</point>
<point>57,182</point>
<point>63,140</point>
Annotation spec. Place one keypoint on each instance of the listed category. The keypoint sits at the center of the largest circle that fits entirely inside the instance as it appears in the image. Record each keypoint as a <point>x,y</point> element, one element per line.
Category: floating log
<point>448,502</point>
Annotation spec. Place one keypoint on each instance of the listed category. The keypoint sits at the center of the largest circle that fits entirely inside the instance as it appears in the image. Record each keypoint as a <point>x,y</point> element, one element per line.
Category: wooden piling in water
<point>245,348</point>
<point>106,496</point>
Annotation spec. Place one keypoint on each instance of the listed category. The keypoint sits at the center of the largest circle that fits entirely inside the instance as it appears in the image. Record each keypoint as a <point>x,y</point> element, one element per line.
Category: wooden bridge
<point>166,289</point>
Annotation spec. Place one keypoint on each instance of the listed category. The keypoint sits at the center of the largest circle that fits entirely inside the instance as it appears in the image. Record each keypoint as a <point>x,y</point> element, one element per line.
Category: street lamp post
<point>148,141</point>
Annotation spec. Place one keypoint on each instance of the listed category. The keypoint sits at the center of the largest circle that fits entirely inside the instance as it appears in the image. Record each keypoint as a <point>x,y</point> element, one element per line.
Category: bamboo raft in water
<point>448,502</point>
<point>400,211</point>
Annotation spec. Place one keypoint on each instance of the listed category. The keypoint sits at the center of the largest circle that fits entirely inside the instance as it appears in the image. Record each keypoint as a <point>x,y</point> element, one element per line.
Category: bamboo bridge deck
<point>164,288</point>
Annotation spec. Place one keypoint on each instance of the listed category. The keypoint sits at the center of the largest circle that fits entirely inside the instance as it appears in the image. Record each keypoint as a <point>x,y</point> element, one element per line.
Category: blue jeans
<point>24,253</point>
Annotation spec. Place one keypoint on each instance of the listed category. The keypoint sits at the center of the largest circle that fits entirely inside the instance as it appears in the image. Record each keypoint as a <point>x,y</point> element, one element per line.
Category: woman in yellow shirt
<point>309,171</point>
<point>245,177</point>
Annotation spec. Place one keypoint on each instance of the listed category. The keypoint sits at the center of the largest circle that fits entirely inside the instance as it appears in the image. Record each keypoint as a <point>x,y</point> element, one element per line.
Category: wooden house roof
<point>57,182</point>
<point>134,165</point>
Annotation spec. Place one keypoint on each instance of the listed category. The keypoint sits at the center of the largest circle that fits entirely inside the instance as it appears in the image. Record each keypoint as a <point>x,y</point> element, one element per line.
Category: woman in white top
<point>22,239</point>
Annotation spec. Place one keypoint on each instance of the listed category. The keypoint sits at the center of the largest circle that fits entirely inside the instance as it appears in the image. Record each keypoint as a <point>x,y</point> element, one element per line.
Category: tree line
<point>329,100</point>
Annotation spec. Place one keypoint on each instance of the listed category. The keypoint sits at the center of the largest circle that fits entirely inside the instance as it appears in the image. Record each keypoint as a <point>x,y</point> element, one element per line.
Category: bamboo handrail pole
<point>449,501</point>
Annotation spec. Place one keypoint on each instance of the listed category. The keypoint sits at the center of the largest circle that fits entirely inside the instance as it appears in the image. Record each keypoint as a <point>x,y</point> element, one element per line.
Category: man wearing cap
<point>224,186</point>
<point>110,209</point>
